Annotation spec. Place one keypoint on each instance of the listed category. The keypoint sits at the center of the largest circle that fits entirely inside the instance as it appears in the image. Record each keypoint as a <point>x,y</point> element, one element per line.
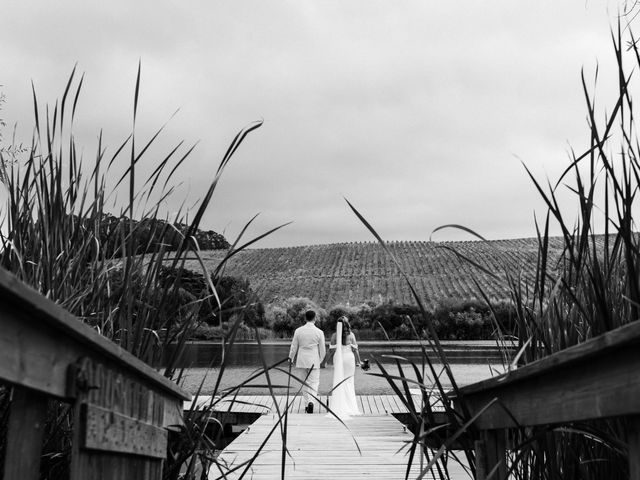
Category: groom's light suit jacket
<point>307,347</point>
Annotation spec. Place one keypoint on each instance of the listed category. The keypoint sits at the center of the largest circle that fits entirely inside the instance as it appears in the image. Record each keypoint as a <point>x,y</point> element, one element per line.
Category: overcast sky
<point>418,112</point>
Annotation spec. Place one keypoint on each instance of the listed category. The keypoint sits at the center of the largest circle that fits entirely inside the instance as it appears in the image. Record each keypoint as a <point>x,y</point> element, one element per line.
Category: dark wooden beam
<point>40,340</point>
<point>596,379</point>
<point>634,448</point>
<point>25,432</point>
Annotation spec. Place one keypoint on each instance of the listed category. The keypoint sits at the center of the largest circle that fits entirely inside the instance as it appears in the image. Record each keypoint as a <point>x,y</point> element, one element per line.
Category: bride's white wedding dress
<point>343,401</point>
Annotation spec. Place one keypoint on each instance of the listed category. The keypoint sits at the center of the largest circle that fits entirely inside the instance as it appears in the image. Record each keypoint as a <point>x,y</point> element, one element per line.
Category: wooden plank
<point>282,402</point>
<point>400,408</point>
<point>377,401</point>
<point>107,431</point>
<point>321,448</point>
<point>265,403</point>
<point>122,396</point>
<point>391,402</point>
<point>286,403</point>
<point>231,404</point>
<point>226,404</point>
<point>25,432</point>
<point>366,405</point>
<point>236,403</point>
<point>386,404</point>
<point>40,340</point>
<point>296,405</point>
<point>495,453</point>
<point>634,448</point>
<point>481,459</point>
<point>257,405</point>
<point>271,403</point>
<point>244,403</point>
<point>394,404</point>
<point>373,405</point>
<point>173,414</point>
<point>601,387</point>
<point>33,356</point>
<point>201,402</point>
<point>602,345</point>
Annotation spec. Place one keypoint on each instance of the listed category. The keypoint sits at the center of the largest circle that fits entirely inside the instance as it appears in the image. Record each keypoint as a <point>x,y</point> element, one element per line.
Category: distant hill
<point>357,272</point>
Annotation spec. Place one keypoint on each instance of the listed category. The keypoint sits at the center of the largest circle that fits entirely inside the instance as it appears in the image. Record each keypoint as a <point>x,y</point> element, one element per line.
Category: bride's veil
<point>339,402</point>
<point>338,365</point>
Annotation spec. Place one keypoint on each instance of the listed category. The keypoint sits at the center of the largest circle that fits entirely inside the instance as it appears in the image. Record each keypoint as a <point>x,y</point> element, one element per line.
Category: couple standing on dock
<point>309,353</point>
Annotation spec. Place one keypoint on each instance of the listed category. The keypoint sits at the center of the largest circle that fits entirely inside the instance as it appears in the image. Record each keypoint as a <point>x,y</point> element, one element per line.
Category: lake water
<point>470,362</point>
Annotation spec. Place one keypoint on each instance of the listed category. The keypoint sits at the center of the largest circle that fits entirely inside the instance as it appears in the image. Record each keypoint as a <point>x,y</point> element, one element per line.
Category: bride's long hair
<point>346,329</point>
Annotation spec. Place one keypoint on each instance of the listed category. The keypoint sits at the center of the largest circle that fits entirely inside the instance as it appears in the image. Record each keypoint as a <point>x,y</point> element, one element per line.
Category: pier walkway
<point>319,447</point>
<point>264,404</point>
<point>373,445</point>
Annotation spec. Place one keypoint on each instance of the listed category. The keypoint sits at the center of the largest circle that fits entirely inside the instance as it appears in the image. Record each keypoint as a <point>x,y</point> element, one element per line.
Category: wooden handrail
<point>42,316</point>
<point>596,379</point>
<point>121,406</point>
<point>626,335</point>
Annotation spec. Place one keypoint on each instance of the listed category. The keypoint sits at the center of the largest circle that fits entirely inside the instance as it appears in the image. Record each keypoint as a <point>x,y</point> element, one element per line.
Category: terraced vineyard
<point>357,272</point>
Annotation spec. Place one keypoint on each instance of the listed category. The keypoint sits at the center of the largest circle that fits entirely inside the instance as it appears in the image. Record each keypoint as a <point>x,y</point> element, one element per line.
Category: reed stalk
<point>591,287</point>
<point>59,238</point>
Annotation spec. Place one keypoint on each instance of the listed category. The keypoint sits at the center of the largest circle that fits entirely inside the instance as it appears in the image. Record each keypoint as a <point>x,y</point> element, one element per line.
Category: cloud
<point>417,111</point>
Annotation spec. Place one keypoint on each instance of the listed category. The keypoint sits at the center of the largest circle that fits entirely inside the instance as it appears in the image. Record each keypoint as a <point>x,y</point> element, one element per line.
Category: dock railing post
<point>25,433</point>
<point>634,448</point>
<point>491,455</point>
<point>481,459</point>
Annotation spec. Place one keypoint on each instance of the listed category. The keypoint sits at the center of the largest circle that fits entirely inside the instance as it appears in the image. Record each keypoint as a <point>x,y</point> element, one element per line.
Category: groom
<point>308,350</point>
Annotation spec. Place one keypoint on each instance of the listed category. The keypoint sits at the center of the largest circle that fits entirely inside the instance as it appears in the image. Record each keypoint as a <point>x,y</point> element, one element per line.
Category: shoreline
<point>202,380</point>
<point>472,343</point>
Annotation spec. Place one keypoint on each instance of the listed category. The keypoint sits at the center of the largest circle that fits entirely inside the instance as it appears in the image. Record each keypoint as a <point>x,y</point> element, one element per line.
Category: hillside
<point>357,272</point>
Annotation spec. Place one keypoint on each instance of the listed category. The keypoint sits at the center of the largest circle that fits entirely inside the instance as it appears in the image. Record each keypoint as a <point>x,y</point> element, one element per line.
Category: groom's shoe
<point>309,408</point>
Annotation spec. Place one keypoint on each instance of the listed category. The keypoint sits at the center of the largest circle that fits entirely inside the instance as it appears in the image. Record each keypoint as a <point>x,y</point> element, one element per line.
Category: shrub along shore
<point>453,320</point>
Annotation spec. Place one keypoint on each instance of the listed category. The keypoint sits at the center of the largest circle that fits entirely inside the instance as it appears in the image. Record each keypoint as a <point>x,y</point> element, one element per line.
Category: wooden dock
<point>320,447</point>
<point>265,404</point>
<point>372,445</point>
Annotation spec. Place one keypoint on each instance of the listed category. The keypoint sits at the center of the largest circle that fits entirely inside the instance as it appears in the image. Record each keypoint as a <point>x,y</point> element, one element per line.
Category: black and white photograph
<point>319,239</point>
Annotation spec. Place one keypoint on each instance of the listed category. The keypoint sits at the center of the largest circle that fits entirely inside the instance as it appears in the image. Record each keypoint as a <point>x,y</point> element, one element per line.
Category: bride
<point>344,351</point>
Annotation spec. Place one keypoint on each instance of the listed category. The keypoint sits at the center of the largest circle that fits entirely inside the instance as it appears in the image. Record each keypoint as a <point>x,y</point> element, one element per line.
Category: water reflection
<point>365,383</point>
<point>209,354</point>
<point>470,362</point>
